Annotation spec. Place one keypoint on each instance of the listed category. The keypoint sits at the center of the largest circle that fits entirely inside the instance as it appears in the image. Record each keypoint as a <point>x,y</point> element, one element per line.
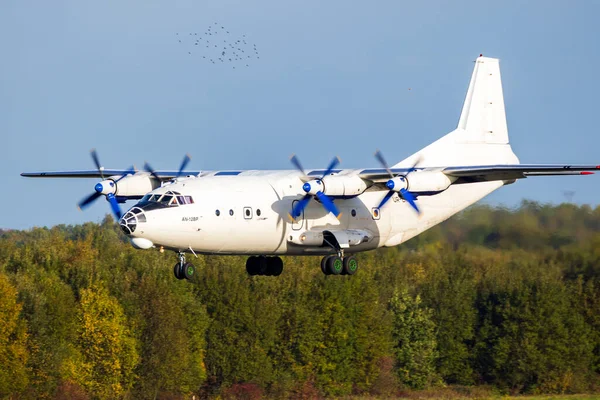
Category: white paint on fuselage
<point>270,194</point>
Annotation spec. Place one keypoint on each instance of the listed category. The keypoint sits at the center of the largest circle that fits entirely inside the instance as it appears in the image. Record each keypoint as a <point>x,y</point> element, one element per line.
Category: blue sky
<point>333,79</point>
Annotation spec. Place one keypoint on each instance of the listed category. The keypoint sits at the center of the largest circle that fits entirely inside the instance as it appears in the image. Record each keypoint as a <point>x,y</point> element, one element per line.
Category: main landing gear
<point>183,269</point>
<point>261,265</point>
<point>339,265</point>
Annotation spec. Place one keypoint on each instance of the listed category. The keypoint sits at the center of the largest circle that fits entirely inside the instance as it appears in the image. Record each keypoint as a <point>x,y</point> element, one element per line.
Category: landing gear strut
<point>183,269</point>
<point>339,265</point>
<point>261,265</point>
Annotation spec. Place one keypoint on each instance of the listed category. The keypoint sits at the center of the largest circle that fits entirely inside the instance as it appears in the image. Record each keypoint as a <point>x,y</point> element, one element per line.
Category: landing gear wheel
<point>324,265</point>
<point>274,266</point>
<point>334,265</point>
<point>252,265</point>
<point>188,271</point>
<point>350,265</point>
<point>262,265</point>
<point>177,271</point>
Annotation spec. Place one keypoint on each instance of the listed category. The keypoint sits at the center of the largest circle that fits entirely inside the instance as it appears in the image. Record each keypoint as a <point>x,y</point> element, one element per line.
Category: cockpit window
<point>166,199</point>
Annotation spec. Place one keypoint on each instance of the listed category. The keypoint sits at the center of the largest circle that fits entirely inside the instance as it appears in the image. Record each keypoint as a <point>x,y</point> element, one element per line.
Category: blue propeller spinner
<point>99,188</point>
<point>314,188</point>
<point>396,182</point>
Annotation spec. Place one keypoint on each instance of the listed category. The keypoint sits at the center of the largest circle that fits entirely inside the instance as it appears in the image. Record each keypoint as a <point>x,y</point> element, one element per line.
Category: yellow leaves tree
<point>13,341</point>
<point>106,344</point>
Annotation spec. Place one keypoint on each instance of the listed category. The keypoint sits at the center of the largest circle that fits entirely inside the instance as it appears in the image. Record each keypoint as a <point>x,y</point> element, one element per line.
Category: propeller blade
<point>184,163</point>
<point>297,164</point>
<point>299,207</point>
<point>114,205</point>
<point>332,165</point>
<point>408,196</point>
<point>148,168</point>
<point>97,162</point>
<point>414,166</point>
<point>131,171</point>
<point>388,196</point>
<point>379,157</point>
<point>89,200</point>
<point>328,204</point>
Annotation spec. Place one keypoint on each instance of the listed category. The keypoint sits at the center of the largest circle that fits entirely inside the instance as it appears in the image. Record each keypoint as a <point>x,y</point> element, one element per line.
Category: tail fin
<point>483,116</point>
<point>481,137</point>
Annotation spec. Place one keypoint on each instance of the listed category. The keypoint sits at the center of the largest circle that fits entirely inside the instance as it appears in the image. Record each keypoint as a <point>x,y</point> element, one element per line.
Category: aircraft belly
<point>435,209</point>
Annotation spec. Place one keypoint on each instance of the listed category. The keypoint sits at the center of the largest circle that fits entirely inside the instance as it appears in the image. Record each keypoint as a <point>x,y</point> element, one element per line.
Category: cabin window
<point>258,212</point>
<point>231,212</point>
<point>353,212</point>
<point>217,213</point>
<point>375,213</point>
<point>247,213</point>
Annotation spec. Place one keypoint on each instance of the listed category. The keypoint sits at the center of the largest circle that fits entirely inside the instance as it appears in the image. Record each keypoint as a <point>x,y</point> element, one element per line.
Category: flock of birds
<point>217,45</point>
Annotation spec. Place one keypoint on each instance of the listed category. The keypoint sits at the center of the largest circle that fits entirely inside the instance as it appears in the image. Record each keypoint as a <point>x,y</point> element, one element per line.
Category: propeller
<point>398,184</point>
<point>99,188</point>
<point>184,163</point>
<point>314,188</point>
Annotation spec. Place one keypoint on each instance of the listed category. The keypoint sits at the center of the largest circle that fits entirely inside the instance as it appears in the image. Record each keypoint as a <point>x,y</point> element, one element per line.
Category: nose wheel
<point>183,269</point>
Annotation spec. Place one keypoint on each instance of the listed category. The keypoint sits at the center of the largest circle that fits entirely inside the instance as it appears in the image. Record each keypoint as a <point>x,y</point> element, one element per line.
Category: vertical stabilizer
<point>483,116</point>
<point>481,137</point>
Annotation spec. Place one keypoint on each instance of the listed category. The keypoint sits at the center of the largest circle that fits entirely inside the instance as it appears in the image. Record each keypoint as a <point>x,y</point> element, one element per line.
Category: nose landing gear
<point>183,269</point>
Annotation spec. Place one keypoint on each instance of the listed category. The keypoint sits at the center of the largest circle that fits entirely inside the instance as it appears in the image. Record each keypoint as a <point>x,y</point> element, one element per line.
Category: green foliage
<point>415,340</point>
<point>509,298</point>
<point>108,351</point>
<point>13,341</point>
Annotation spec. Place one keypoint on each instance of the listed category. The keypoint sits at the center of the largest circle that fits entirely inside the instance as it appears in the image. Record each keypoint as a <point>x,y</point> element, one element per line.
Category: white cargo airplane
<point>331,212</point>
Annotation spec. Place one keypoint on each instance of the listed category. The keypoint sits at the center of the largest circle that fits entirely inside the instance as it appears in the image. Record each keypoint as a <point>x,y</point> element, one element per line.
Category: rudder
<point>483,117</point>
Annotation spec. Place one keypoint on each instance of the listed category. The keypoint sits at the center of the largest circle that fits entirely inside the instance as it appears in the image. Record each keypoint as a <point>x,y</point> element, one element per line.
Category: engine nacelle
<point>336,185</point>
<point>428,181</point>
<point>136,185</point>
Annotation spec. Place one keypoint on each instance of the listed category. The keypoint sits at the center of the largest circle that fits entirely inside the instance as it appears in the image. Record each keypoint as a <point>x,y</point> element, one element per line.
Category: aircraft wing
<point>94,173</point>
<point>483,173</point>
<point>517,171</point>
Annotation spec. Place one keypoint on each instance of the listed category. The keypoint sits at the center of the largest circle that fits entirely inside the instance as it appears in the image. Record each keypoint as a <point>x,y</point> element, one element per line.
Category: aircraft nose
<point>131,219</point>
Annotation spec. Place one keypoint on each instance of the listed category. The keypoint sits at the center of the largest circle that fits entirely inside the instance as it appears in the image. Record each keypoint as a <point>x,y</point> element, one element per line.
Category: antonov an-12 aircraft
<point>331,212</point>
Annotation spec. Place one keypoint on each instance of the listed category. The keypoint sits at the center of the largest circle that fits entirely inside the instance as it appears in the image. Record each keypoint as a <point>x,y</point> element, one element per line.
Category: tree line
<point>507,298</point>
